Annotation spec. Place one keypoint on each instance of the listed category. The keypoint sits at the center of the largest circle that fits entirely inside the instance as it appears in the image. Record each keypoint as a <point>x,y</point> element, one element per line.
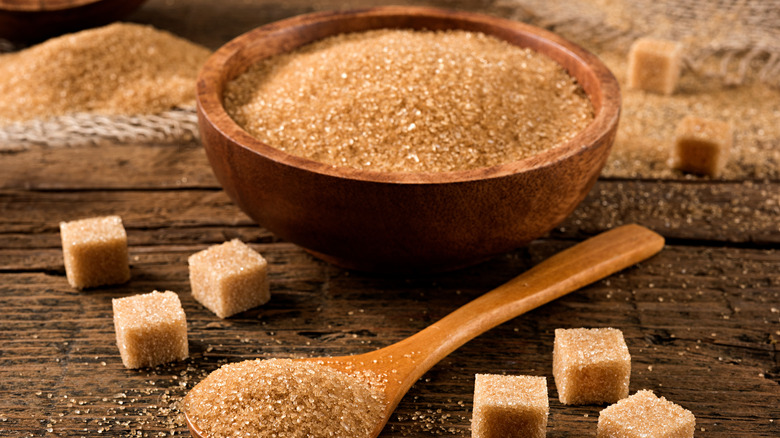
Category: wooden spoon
<point>406,361</point>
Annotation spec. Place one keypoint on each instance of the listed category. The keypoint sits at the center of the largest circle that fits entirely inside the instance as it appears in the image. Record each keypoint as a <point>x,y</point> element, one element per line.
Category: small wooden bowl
<point>402,222</point>
<point>36,20</point>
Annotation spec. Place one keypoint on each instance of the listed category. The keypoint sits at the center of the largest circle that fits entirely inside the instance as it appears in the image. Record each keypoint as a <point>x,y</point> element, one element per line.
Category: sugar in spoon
<point>406,361</point>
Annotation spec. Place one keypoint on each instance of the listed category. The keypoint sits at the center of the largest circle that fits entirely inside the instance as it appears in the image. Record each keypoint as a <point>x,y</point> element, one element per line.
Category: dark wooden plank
<point>742,213</point>
<point>119,166</point>
<point>701,324</point>
<point>735,212</point>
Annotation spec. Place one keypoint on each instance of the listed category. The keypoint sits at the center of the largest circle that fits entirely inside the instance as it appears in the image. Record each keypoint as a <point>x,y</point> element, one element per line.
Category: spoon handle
<point>569,270</point>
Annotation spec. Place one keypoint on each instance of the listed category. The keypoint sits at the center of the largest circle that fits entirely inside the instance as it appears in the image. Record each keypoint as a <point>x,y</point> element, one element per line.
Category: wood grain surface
<point>701,318</point>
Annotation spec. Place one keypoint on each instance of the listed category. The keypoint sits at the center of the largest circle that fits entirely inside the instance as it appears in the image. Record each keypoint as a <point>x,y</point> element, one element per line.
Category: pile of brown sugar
<point>730,74</point>
<point>648,121</point>
<point>286,398</point>
<point>410,101</point>
<point>117,69</point>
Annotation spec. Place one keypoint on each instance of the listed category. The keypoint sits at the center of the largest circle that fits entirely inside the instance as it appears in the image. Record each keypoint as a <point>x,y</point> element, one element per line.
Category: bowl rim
<point>43,5</point>
<point>606,99</point>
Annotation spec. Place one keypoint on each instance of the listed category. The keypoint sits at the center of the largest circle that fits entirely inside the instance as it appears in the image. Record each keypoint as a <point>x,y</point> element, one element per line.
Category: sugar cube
<point>95,251</point>
<point>702,146</point>
<point>591,365</point>
<point>151,329</point>
<point>229,278</point>
<point>654,65</point>
<point>645,415</point>
<point>509,406</point>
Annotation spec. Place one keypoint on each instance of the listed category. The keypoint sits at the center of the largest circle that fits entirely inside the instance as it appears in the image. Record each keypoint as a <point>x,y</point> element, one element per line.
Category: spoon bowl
<point>403,363</point>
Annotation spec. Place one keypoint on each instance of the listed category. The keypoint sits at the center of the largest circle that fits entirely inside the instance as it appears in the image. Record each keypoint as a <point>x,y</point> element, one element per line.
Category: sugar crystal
<point>645,415</point>
<point>702,145</point>
<point>654,65</point>
<point>151,329</point>
<point>510,406</point>
<point>95,251</point>
<point>229,278</point>
<point>591,365</point>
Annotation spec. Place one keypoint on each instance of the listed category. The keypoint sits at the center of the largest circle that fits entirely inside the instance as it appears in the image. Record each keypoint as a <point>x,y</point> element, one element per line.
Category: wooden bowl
<point>403,222</point>
<point>36,20</point>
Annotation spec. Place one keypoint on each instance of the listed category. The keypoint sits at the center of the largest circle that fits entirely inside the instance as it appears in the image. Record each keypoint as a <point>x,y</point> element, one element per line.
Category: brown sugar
<point>151,329</point>
<point>510,406</point>
<point>654,65</point>
<point>648,123</point>
<point>726,76</point>
<point>591,365</point>
<point>645,415</point>
<point>117,69</point>
<point>283,397</point>
<point>229,278</point>
<point>409,101</point>
<point>95,251</point>
<point>702,146</point>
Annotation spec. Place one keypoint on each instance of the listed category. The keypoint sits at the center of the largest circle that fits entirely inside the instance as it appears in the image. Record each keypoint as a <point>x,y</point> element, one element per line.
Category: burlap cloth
<point>735,40</point>
<point>730,41</point>
<point>731,73</point>
<point>175,126</point>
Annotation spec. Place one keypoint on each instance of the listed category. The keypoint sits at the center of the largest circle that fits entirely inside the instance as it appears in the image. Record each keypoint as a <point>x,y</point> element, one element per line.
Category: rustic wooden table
<point>701,319</point>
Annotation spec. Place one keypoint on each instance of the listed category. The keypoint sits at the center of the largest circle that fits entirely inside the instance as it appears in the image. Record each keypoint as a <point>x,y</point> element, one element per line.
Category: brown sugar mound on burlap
<point>117,69</point>
<point>731,73</point>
